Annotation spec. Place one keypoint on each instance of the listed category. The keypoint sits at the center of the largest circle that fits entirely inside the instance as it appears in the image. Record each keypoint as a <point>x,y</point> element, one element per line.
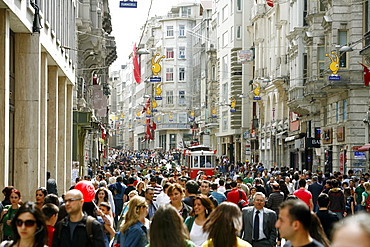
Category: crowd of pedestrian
<point>148,199</point>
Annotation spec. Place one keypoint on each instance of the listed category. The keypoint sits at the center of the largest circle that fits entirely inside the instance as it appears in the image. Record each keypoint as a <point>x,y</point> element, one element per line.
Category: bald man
<point>73,230</point>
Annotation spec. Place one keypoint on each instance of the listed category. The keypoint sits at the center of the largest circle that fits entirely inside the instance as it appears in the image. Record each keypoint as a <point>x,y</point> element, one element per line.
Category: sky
<point>126,23</point>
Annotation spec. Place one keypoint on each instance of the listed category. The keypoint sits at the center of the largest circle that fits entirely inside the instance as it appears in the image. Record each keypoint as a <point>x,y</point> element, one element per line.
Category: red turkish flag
<point>135,61</point>
<point>270,3</point>
<point>148,134</point>
<point>366,75</point>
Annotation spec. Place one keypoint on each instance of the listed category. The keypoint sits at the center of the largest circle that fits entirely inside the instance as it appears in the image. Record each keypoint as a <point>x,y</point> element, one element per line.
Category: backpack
<point>89,222</point>
<point>367,203</point>
<point>242,203</point>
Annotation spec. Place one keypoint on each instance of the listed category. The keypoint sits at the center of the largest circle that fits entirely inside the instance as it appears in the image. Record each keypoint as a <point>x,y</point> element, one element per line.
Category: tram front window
<point>202,161</point>
<point>208,161</point>
<point>196,163</point>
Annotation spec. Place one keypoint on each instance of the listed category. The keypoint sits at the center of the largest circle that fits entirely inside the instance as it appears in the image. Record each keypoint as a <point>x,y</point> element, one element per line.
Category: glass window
<point>239,5</point>
<point>225,38</point>
<point>337,111</point>
<point>185,11</point>
<point>344,110</point>
<point>181,74</point>
<point>231,34</point>
<point>169,31</point>
<point>321,60</point>
<point>169,97</point>
<point>224,120</point>
<point>169,53</point>
<point>181,97</point>
<point>342,40</point>
<point>225,12</point>
<point>182,52</point>
<point>183,118</point>
<point>169,74</point>
<point>225,67</point>
<point>231,7</point>
<point>225,92</point>
<point>181,30</point>
<point>239,32</point>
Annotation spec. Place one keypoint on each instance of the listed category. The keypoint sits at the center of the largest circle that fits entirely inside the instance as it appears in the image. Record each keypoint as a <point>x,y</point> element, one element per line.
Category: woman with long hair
<point>133,231</point>
<point>101,195</point>
<point>252,191</point>
<point>176,194</point>
<point>202,208</point>
<point>9,212</point>
<point>29,228</point>
<point>141,188</point>
<point>40,196</point>
<point>350,202</point>
<point>167,229</point>
<point>223,225</point>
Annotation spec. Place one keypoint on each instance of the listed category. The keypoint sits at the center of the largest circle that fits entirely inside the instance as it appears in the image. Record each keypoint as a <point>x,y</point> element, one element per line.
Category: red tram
<point>200,158</point>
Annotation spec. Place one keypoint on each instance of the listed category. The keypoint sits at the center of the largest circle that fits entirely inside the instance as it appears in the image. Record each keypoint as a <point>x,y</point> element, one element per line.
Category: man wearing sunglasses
<point>77,229</point>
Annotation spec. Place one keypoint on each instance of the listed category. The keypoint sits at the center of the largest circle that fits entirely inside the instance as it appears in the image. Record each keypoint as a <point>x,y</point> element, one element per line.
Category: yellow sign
<point>233,103</point>
<point>158,90</point>
<point>156,67</point>
<point>257,90</point>
<point>192,113</point>
<point>334,65</point>
<point>138,113</point>
<point>154,104</point>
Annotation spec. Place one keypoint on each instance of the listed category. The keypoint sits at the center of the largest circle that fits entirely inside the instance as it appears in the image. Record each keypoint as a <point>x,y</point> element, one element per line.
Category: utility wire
<point>146,22</point>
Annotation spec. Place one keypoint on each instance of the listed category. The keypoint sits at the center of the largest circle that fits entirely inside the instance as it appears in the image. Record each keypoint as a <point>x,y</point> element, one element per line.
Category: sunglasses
<point>27,223</point>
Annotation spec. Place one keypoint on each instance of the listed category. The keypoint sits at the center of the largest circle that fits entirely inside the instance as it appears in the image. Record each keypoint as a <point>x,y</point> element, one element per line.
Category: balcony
<point>171,126</point>
<point>258,11</point>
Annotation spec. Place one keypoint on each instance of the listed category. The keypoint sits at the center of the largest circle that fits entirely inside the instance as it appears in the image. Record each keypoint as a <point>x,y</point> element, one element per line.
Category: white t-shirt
<point>197,236</point>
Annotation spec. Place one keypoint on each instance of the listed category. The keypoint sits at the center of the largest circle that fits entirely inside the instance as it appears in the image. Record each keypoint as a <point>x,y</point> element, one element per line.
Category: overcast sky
<point>127,22</point>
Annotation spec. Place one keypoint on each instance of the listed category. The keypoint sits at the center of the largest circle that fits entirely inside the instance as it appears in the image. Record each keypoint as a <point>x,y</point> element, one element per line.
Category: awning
<point>364,148</point>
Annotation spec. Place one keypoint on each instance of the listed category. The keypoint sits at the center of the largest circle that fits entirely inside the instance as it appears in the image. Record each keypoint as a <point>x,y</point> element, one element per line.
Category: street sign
<point>127,4</point>
<point>155,79</point>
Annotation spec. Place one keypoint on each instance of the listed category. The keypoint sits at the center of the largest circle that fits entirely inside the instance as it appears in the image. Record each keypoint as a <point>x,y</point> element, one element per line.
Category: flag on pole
<point>366,75</point>
<point>135,61</point>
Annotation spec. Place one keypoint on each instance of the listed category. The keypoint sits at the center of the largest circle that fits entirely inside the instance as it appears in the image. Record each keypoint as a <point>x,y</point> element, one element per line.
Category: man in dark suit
<point>259,223</point>
<point>315,188</point>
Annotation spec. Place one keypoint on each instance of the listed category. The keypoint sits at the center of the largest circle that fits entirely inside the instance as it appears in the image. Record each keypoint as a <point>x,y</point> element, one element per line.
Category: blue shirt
<point>220,197</point>
<point>134,236</point>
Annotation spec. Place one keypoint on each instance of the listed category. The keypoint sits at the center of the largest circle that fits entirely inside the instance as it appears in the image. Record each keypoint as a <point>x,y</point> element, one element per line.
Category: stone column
<point>27,114</point>
<point>69,140</point>
<point>62,123</point>
<point>52,122</point>
<point>43,118</point>
<point>4,98</point>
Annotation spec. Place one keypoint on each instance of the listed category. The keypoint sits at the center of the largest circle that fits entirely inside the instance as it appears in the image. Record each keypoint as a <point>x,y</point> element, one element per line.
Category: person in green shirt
<point>9,212</point>
<point>358,195</point>
<point>248,179</point>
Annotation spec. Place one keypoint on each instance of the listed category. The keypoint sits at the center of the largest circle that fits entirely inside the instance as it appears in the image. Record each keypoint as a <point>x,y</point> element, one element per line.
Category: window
<point>337,112</point>
<point>225,92</point>
<point>169,74</point>
<point>305,68</point>
<point>225,13</point>
<point>224,121</point>
<point>321,6</point>
<point>225,38</point>
<point>181,74</point>
<point>181,30</point>
<point>183,117</point>
<point>344,110</point>
<point>213,73</point>
<point>321,60</point>
<point>238,5</point>
<point>182,52</point>
<point>185,11</point>
<point>181,97</point>
<point>169,31</point>
<point>231,34</point>
<point>169,53</point>
<point>342,40</point>
<point>239,32</point>
<point>225,67</point>
<point>304,12</point>
<point>231,7</point>
<point>169,97</point>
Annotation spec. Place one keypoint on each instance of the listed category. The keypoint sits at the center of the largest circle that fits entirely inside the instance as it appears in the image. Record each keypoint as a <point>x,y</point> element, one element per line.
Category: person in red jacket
<point>234,194</point>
